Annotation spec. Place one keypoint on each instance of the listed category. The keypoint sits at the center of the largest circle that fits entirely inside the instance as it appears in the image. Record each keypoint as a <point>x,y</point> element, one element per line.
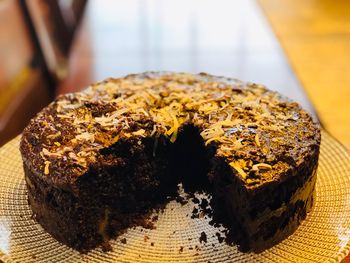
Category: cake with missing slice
<point>97,161</point>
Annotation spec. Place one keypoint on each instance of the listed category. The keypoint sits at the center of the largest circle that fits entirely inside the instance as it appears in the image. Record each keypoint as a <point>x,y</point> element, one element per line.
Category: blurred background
<point>58,46</point>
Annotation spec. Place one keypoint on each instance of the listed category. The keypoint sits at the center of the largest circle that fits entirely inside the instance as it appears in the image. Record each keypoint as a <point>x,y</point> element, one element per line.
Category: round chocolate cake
<point>99,160</point>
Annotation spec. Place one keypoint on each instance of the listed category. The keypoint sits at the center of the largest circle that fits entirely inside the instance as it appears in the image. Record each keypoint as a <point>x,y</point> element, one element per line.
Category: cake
<point>97,161</point>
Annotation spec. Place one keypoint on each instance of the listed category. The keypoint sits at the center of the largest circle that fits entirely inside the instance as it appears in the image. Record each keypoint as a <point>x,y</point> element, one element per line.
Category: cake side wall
<point>118,192</point>
<point>261,225</point>
<point>61,215</point>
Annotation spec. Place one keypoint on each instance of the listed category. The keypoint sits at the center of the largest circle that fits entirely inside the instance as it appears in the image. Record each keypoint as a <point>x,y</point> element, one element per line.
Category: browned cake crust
<point>97,160</point>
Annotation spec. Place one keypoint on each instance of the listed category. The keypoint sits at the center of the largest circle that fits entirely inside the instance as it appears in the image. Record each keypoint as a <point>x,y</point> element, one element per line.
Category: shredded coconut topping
<point>239,118</point>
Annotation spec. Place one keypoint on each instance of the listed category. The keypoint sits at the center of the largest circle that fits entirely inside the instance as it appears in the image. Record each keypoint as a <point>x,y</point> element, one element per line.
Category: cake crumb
<point>220,238</point>
<point>181,200</point>
<point>203,237</point>
<point>195,200</point>
<point>123,241</point>
<point>145,238</point>
<point>106,246</point>
<point>181,249</point>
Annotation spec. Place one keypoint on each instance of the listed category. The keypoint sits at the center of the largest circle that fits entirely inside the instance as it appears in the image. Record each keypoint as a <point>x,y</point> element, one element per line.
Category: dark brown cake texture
<point>96,161</point>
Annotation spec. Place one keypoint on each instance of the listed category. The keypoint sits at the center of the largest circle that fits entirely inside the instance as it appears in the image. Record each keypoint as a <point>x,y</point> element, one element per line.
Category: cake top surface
<point>259,132</point>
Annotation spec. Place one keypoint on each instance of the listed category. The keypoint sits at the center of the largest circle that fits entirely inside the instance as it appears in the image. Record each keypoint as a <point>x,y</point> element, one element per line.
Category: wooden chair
<point>34,51</point>
<point>24,79</point>
<point>54,23</point>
